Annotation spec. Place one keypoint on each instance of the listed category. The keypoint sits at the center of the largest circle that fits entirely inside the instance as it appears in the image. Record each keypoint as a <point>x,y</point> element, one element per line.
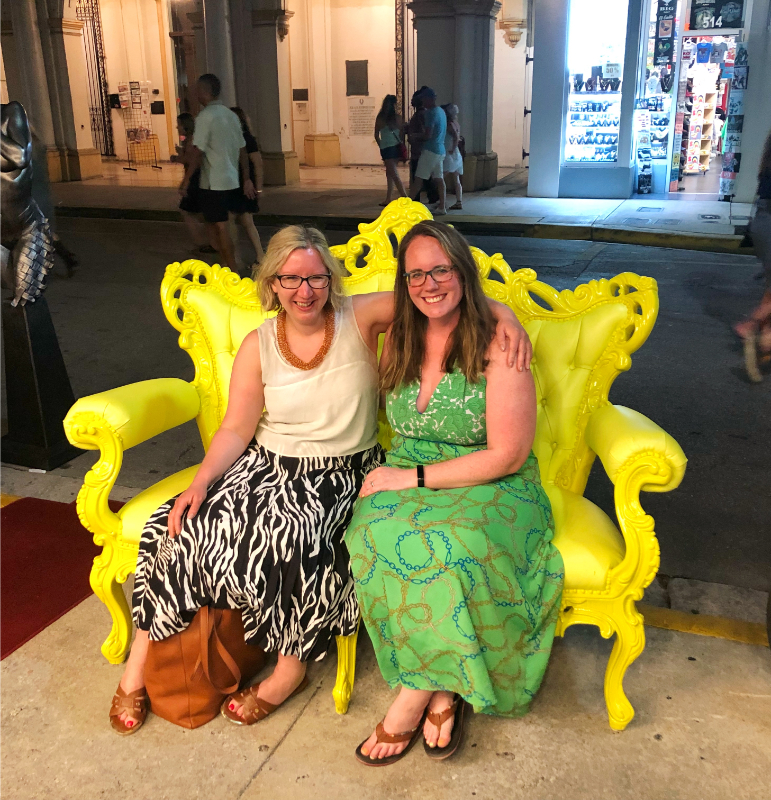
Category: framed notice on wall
<point>361,116</point>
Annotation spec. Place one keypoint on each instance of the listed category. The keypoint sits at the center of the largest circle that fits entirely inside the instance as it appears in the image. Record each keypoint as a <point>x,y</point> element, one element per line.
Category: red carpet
<point>45,561</point>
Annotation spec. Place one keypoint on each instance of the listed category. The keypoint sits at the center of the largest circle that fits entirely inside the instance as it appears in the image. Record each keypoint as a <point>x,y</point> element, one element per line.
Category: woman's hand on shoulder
<point>511,337</point>
<point>190,500</point>
<point>388,479</point>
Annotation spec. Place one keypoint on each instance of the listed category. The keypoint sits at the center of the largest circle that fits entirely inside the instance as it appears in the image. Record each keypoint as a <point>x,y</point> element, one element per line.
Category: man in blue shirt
<point>432,156</point>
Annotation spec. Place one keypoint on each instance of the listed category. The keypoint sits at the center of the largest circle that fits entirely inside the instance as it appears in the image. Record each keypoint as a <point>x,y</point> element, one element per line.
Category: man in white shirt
<point>218,149</point>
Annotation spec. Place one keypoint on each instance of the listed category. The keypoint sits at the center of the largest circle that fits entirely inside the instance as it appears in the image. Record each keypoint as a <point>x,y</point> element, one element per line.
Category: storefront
<point>637,96</point>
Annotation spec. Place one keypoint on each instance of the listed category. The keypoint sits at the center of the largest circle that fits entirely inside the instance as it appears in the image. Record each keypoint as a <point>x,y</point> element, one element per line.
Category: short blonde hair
<point>280,247</point>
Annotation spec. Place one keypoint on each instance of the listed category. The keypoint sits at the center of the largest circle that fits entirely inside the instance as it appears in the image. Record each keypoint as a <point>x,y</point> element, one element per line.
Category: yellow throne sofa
<point>582,339</point>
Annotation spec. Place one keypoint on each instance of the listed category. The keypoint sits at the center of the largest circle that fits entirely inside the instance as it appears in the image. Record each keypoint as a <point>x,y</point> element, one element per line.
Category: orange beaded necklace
<point>283,345</point>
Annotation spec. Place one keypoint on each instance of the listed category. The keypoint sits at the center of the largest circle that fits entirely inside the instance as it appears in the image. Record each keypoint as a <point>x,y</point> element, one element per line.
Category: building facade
<point>107,78</point>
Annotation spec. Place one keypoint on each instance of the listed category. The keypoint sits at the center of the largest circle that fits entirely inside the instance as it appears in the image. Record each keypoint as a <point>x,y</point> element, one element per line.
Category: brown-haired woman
<point>450,544</point>
<point>756,330</point>
<point>388,135</point>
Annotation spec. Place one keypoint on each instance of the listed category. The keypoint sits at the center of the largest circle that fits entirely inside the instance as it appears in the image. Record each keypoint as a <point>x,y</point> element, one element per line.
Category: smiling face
<point>437,301</point>
<point>303,305</point>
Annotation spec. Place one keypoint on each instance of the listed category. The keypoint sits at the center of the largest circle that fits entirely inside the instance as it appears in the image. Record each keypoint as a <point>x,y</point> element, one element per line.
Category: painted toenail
<point>232,706</point>
<point>130,724</point>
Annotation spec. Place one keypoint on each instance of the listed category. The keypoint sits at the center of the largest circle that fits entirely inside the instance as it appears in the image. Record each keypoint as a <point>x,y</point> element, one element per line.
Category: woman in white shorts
<point>453,160</point>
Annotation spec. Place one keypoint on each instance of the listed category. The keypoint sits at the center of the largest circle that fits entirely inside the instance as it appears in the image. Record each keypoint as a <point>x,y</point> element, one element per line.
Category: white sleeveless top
<point>330,410</point>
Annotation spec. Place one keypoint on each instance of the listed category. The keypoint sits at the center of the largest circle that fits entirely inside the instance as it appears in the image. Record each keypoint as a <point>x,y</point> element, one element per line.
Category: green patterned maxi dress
<point>459,588</point>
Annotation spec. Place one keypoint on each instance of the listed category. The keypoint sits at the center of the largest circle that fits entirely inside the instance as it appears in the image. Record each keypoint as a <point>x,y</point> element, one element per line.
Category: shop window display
<point>596,64</point>
<point>708,64</point>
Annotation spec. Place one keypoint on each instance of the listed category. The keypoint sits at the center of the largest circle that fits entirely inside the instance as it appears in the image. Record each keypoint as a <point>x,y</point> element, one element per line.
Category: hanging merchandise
<point>643,152</point>
<point>141,142</point>
<point>663,49</point>
<point>732,138</point>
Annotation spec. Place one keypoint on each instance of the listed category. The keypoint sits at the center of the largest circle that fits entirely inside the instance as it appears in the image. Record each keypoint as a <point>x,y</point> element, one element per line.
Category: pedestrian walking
<point>245,207</point>
<point>429,166</point>
<point>218,150</point>
<point>756,329</point>
<point>414,131</point>
<point>388,135</point>
<point>453,159</point>
<point>189,205</point>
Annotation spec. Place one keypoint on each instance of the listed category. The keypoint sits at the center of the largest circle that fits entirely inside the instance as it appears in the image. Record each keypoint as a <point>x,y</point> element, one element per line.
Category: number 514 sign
<point>711,14</point>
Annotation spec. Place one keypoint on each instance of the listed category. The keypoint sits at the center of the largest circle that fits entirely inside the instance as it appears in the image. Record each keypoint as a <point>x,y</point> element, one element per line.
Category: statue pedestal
<point>37,388</point>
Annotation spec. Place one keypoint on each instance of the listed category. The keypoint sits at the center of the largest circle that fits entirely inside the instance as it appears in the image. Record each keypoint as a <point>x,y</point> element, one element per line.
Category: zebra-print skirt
<point>268,541</point>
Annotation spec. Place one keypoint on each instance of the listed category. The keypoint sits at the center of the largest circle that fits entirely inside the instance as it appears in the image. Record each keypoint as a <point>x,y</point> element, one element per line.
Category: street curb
<point>735,630</point>
<point>480,226</point>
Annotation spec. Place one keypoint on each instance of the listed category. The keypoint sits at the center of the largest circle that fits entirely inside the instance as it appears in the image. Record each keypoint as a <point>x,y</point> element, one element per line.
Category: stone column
<point>322,146</point>
<point>27,80</point>
<point>219,51</point>
<point>261,60</point>
<point>455,58</point>
<point>81,159</point>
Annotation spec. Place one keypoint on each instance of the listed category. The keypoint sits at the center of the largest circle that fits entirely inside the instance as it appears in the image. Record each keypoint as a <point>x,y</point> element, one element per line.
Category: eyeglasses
<point>440,274</point>
<point>295,281</point>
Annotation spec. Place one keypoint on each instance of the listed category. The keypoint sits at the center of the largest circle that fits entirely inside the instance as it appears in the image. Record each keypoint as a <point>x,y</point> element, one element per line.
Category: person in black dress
<point>243,208</point>
<point>189,205</point>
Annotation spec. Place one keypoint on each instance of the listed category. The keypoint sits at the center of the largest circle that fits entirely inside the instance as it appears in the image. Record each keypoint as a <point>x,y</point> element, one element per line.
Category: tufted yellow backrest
<point>582,339</point>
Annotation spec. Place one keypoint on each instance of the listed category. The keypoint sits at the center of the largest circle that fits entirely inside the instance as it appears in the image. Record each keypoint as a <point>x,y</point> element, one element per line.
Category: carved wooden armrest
<point>638,456</point>
<point>114,421</point>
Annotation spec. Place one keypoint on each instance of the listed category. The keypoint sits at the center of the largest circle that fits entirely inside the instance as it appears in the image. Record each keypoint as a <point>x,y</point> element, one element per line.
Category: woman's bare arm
<point>245,403</point>
<point>375,312</point>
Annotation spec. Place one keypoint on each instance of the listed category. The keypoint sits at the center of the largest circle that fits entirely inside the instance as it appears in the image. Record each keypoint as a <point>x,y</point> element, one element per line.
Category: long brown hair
<point>468,343</point>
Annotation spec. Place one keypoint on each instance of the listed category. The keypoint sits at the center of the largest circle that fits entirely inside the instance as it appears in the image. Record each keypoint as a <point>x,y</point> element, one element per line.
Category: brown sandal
<point>458,710</point>
<point>254,708</point>
<point>135,703</point>
<point>390,738</point>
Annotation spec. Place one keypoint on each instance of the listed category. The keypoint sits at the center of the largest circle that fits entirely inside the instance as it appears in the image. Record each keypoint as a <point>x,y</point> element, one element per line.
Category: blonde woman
<point>261,527</point>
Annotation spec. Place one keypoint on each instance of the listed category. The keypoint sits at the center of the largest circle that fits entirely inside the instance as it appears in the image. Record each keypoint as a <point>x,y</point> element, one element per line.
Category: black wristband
<point>421,476</point>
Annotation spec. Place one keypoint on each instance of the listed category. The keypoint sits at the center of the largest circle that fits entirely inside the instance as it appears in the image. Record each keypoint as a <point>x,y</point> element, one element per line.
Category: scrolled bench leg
<point>108,588</point>
<point>630,641</point>
<point>346,667</point>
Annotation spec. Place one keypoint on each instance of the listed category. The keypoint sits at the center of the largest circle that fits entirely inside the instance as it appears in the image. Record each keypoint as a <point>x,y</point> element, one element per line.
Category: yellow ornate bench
<point>582,340</point>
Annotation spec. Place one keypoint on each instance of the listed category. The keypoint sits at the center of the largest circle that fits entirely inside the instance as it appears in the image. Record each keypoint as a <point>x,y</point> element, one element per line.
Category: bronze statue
<point>27,244</point>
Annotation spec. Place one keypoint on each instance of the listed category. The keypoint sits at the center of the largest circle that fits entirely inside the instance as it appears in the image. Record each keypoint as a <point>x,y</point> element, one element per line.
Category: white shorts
<point>429,165</point>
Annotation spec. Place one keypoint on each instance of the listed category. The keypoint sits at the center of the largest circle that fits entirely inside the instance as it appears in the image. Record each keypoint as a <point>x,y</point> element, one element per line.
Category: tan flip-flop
<point>135,704</point>
<point>254,708</point>
<point>458,710</point>
<point>390,738</point>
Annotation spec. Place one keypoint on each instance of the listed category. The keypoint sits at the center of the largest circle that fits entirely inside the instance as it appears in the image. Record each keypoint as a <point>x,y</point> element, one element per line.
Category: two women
<point>451,543</point>
<point>261,527</point>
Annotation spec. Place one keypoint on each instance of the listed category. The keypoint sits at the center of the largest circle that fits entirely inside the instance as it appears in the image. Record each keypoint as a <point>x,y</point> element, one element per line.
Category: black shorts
<point>215,204</point>
<point>393,153</point>
<point>191,201</point>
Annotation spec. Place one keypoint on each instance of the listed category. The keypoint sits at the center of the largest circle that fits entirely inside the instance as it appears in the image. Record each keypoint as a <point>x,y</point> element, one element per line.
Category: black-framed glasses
<point>440,274</point>
<point>296,281</point>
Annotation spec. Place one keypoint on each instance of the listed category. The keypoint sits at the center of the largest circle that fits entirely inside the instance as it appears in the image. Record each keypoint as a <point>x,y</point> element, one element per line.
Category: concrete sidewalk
<point>342,197</point>
<point>702,731</point>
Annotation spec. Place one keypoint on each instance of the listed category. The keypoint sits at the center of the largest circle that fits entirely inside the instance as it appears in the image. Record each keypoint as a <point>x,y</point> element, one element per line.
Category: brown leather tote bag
<point>189,674</point>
